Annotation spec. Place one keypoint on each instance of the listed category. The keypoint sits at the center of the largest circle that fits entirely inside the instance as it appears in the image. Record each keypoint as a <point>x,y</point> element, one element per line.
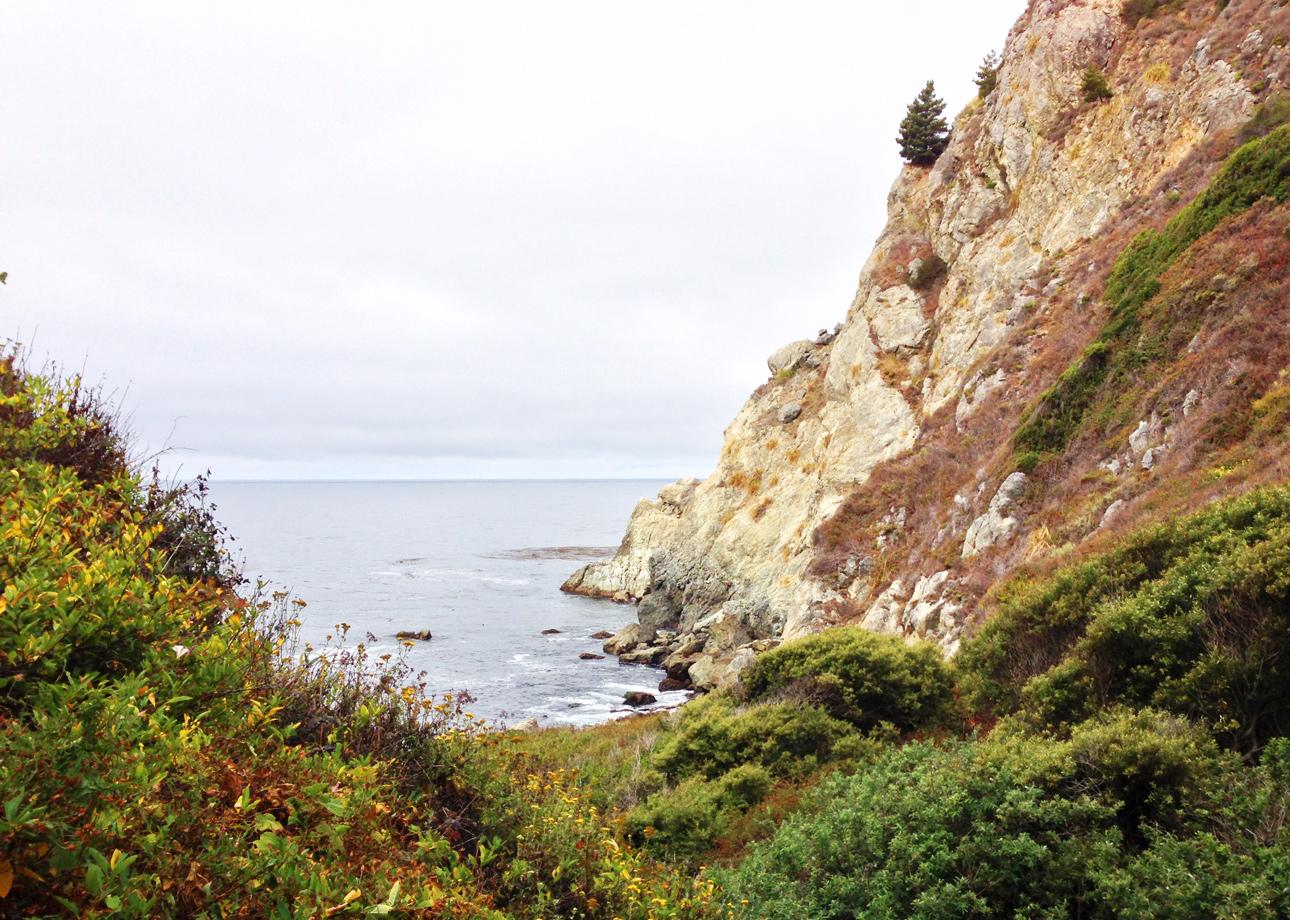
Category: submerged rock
<point>591,656</point>
<point>422,635</point>
<point>637,698</point>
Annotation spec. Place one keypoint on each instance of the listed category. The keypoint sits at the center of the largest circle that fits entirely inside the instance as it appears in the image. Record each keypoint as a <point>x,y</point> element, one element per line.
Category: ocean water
<point>479,564</point>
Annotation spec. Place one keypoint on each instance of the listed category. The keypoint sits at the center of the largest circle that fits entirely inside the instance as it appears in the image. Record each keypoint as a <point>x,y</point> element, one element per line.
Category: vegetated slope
<point>1112,744</point>
<point>1103,343</point>
<point>163,753</point>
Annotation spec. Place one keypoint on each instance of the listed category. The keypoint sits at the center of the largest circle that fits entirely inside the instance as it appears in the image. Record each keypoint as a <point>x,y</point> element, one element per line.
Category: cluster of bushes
<point>1190,616</point>
<point>1255,171</point>
<point>827,701</point>
<point>1140,766</point>
<point>165,752</point>
<point>1136,814</point>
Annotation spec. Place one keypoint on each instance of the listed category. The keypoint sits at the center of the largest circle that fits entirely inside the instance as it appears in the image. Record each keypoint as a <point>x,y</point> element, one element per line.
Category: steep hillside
<point>1074,323</point>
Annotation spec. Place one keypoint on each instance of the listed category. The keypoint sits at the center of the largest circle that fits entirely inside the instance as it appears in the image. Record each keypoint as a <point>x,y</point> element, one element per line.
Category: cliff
<point>1006,389</point>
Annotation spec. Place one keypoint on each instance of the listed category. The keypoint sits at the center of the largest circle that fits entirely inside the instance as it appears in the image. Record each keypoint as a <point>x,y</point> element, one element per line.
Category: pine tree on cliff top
<point>924,133</point>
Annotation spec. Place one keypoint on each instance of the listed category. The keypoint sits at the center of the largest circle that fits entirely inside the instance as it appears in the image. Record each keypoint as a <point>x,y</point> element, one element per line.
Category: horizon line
<point>349,479</point>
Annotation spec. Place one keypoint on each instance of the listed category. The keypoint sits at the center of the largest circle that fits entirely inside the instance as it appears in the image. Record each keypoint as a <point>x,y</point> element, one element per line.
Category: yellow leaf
<point>6,877</point>
<point>353,895</point>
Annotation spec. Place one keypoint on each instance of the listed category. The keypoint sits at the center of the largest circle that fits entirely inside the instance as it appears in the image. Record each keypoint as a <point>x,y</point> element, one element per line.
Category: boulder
<point>649,654</point>
<point>790,356</point>
<point>790,412</point>
<point>636,698</point>
<point>732,679</point>
<point>705,671</point>
<point>678,494</point>
<point>657,611</point>
<point>1139,440</point>
<point>626,638</point>
<point>669,684</point>
<point>996,525</point>
<point>677,666</point>
<point>528,725</point>
<point>602,634</point>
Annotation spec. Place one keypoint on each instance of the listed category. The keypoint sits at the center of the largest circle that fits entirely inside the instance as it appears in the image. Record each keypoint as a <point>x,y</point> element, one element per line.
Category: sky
<point>450,240</point>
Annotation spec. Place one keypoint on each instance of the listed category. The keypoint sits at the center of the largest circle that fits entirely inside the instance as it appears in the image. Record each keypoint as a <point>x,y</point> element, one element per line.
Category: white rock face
<point>1020,184</point>
<point>652,525</point>
<point>897,318</point>
<point>996,525</point>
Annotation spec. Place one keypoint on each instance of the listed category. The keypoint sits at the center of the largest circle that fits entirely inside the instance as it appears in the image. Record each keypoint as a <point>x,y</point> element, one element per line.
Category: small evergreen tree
<point>924,133</point>
<point>987,75</point>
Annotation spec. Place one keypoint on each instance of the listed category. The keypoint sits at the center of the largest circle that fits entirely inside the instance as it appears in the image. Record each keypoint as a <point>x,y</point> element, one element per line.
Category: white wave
<point>444,574</point>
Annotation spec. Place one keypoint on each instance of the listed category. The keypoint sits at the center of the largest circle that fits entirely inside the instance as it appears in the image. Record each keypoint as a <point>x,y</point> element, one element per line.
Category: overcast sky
<point>473,239</point>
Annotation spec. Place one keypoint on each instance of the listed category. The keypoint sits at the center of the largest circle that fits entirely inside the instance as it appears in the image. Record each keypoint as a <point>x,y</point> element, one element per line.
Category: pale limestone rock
<point>1111,511</point>
<point>650,654</point>
<point>1140,438</point>
<point>896,317</point>
<point>790,356</point>
<point>884,614</point>
<point>705,671</point>
<point>652,524</point>
<point>925,606</point>
<point>679,494</point>
<point>1190,401</point>
<point>923,613</point>
<point>996,525</point>
<point>625,639</point>
<point>744,658</point>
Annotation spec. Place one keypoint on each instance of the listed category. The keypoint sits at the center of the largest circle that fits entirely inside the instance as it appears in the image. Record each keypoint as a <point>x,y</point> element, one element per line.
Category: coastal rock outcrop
<point>913,400</point>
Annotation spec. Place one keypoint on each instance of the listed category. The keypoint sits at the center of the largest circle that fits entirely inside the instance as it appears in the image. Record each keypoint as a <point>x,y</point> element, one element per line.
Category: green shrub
<point>1271,113</point>
<point>1117,819</point>
<point>1093,86</point>
<point>714,735</point>
<point>1191,616</point>
<point>687,821</point>
<point>860,676</point>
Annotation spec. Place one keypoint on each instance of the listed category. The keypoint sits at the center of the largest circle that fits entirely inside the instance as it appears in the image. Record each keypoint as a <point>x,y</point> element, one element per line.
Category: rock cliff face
<point>872,479</point>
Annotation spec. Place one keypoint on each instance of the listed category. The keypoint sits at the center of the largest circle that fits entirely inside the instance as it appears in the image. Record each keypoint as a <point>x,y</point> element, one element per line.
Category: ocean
<point>479,564</point>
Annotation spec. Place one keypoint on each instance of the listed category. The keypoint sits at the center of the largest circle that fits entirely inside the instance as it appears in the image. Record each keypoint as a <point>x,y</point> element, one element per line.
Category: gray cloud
<point>451,239</point>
